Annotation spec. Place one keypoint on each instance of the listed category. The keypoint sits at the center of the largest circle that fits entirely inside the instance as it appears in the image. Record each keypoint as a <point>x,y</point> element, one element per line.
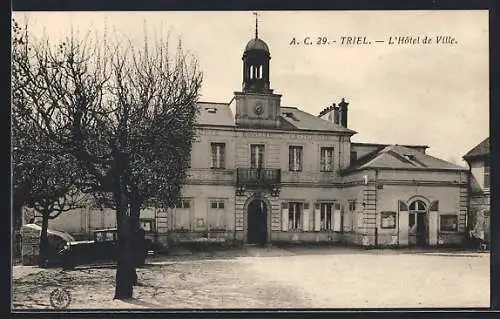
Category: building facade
<point>478,159</point>
<point>262,172</point>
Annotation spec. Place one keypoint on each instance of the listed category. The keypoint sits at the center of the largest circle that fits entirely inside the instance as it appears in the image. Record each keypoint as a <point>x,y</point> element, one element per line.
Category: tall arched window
<point>415,208</point>
<point>418,206</point>
<point>251,71</point>
<point>260,72</point>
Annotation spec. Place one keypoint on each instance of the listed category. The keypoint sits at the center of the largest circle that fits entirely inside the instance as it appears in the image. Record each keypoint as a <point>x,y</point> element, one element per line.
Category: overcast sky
<point>432,94</point>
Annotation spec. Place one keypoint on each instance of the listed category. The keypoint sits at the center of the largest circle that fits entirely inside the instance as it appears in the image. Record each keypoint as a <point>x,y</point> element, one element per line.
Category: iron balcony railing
<point>258,177</point>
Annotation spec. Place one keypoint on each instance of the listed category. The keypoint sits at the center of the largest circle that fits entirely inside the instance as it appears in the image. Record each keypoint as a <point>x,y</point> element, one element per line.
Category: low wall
<point>305,237</point>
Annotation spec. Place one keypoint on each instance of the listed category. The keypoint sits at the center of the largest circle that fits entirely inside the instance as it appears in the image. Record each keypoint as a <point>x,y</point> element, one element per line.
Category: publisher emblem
<point>60,298</point>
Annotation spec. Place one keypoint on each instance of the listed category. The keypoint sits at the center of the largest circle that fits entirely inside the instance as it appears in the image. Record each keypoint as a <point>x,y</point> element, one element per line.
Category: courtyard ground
<point>275,278</point>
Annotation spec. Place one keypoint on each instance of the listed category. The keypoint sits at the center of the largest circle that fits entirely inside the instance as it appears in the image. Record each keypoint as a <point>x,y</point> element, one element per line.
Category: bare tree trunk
<point>125,269</point>
<point>44,241</point>
<point>135,225</point>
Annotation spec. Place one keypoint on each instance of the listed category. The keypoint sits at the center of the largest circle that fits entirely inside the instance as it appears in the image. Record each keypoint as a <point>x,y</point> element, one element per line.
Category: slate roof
<point>219,114</point>
<point>481,149</point>
<point>221,117</point>
<point>305,121</point>
<point>401,157</point>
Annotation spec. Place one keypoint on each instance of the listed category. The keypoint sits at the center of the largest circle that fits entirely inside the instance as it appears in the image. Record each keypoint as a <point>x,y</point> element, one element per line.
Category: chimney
<point>331,113</point>
<point>336,114</point>
<point>343,112</point>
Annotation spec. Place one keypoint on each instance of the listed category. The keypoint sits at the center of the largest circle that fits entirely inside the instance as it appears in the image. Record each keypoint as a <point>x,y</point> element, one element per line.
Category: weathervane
<point>256,25</point>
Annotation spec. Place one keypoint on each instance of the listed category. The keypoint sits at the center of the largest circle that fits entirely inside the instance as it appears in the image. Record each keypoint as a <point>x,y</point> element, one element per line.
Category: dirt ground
<point>274,278</point>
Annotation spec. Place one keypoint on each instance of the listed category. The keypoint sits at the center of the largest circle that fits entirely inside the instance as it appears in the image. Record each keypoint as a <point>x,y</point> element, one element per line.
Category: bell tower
<point>257,105</point>
<point>256,59</point>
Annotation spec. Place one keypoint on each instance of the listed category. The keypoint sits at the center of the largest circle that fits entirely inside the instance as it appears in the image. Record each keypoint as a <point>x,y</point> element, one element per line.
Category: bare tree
<point>125,116</point>
<point>44,177</point>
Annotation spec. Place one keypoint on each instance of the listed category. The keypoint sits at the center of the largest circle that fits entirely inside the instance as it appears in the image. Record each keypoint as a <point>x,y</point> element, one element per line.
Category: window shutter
<point>402,206</point>
<point>290,159</point>
<point>222,155</point>
<point>434,206</point>
<point>330,155</point>
<point>284,217</point>
<point>322,159</point>
<point>317,217</point>
<point>214,156</point>
<point>220,218</point>
<point>336,217</point>
<point>305,220</point>
<point>347,219</point>
<point>253,160</point>
<point>299,159</point>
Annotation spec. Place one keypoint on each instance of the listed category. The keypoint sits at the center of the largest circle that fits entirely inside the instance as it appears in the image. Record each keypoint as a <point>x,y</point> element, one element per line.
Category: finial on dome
<point>256,25</point>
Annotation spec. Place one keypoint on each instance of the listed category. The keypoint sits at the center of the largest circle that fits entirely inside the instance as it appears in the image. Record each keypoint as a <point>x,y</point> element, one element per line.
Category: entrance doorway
<point>418,224</point>
<point>257,222</point>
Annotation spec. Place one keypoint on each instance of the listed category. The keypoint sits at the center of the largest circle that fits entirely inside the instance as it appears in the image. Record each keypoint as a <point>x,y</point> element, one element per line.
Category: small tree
<point>53,193</point>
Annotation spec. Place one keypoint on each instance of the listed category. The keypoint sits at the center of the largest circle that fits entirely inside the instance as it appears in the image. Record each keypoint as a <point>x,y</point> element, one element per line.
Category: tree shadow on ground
<point>142,303</point>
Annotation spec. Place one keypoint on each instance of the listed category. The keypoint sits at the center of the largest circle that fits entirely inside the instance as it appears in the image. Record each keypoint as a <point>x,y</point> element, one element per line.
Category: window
<point>183,203</point>
<point>486,174</point>
<point>215,204</point>
<point>412,220</point>
<point>182,215</point>
<point>295,216</point>
<point>216,215</point>
<point>448,223</point>
<point>256,156</point>
<point>326,216</point>
<point>352,205</point>
<point>326,159</point>
<point>418,205</point>
<point>218,155</point>
<point>415,208</point>
<point>295,158</point>
<point>388,220</point>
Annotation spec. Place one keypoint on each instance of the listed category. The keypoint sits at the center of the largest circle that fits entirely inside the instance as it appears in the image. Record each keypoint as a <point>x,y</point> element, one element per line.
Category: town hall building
<point>262,172</point>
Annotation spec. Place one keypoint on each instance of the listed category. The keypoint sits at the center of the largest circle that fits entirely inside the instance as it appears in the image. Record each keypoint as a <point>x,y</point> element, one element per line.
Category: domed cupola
<point>256,44</point>
<point>256,65</point>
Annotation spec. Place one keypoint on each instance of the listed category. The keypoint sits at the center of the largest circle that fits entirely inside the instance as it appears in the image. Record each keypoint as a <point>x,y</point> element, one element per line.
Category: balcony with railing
<point>259,179</point>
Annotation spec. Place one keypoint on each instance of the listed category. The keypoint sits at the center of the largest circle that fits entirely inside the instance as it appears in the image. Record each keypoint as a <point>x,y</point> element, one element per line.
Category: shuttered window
<point>256,156</point>
<point>295,158</point>
<point>326,159</point>
<point>218,155</point>
<point>295,215</point>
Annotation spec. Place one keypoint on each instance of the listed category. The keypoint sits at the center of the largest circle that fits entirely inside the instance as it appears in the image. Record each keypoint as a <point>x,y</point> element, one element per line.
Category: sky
<point>431,94</point>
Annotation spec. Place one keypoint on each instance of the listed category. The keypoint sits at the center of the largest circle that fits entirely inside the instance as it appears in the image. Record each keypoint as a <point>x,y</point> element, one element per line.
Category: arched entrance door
<point>257,222</point>
<point>418,224</point>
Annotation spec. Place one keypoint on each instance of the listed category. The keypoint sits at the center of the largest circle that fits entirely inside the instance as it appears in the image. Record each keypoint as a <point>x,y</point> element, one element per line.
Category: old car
<point>56,241</point>
<point>103,248</point>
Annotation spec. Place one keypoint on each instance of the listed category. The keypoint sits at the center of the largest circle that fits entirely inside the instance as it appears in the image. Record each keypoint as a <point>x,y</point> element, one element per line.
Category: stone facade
<point>323,187</point>
<point>479,190</point>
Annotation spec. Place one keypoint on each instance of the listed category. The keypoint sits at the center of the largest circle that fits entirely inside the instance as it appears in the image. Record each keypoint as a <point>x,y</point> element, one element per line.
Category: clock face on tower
<point>258,109</point>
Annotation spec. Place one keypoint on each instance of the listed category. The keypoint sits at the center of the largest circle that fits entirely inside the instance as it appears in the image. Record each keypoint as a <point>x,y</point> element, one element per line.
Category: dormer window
<point>212,110</point>
<point>409,157</point>
<point>413,160</point>
<point>291,115</point>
